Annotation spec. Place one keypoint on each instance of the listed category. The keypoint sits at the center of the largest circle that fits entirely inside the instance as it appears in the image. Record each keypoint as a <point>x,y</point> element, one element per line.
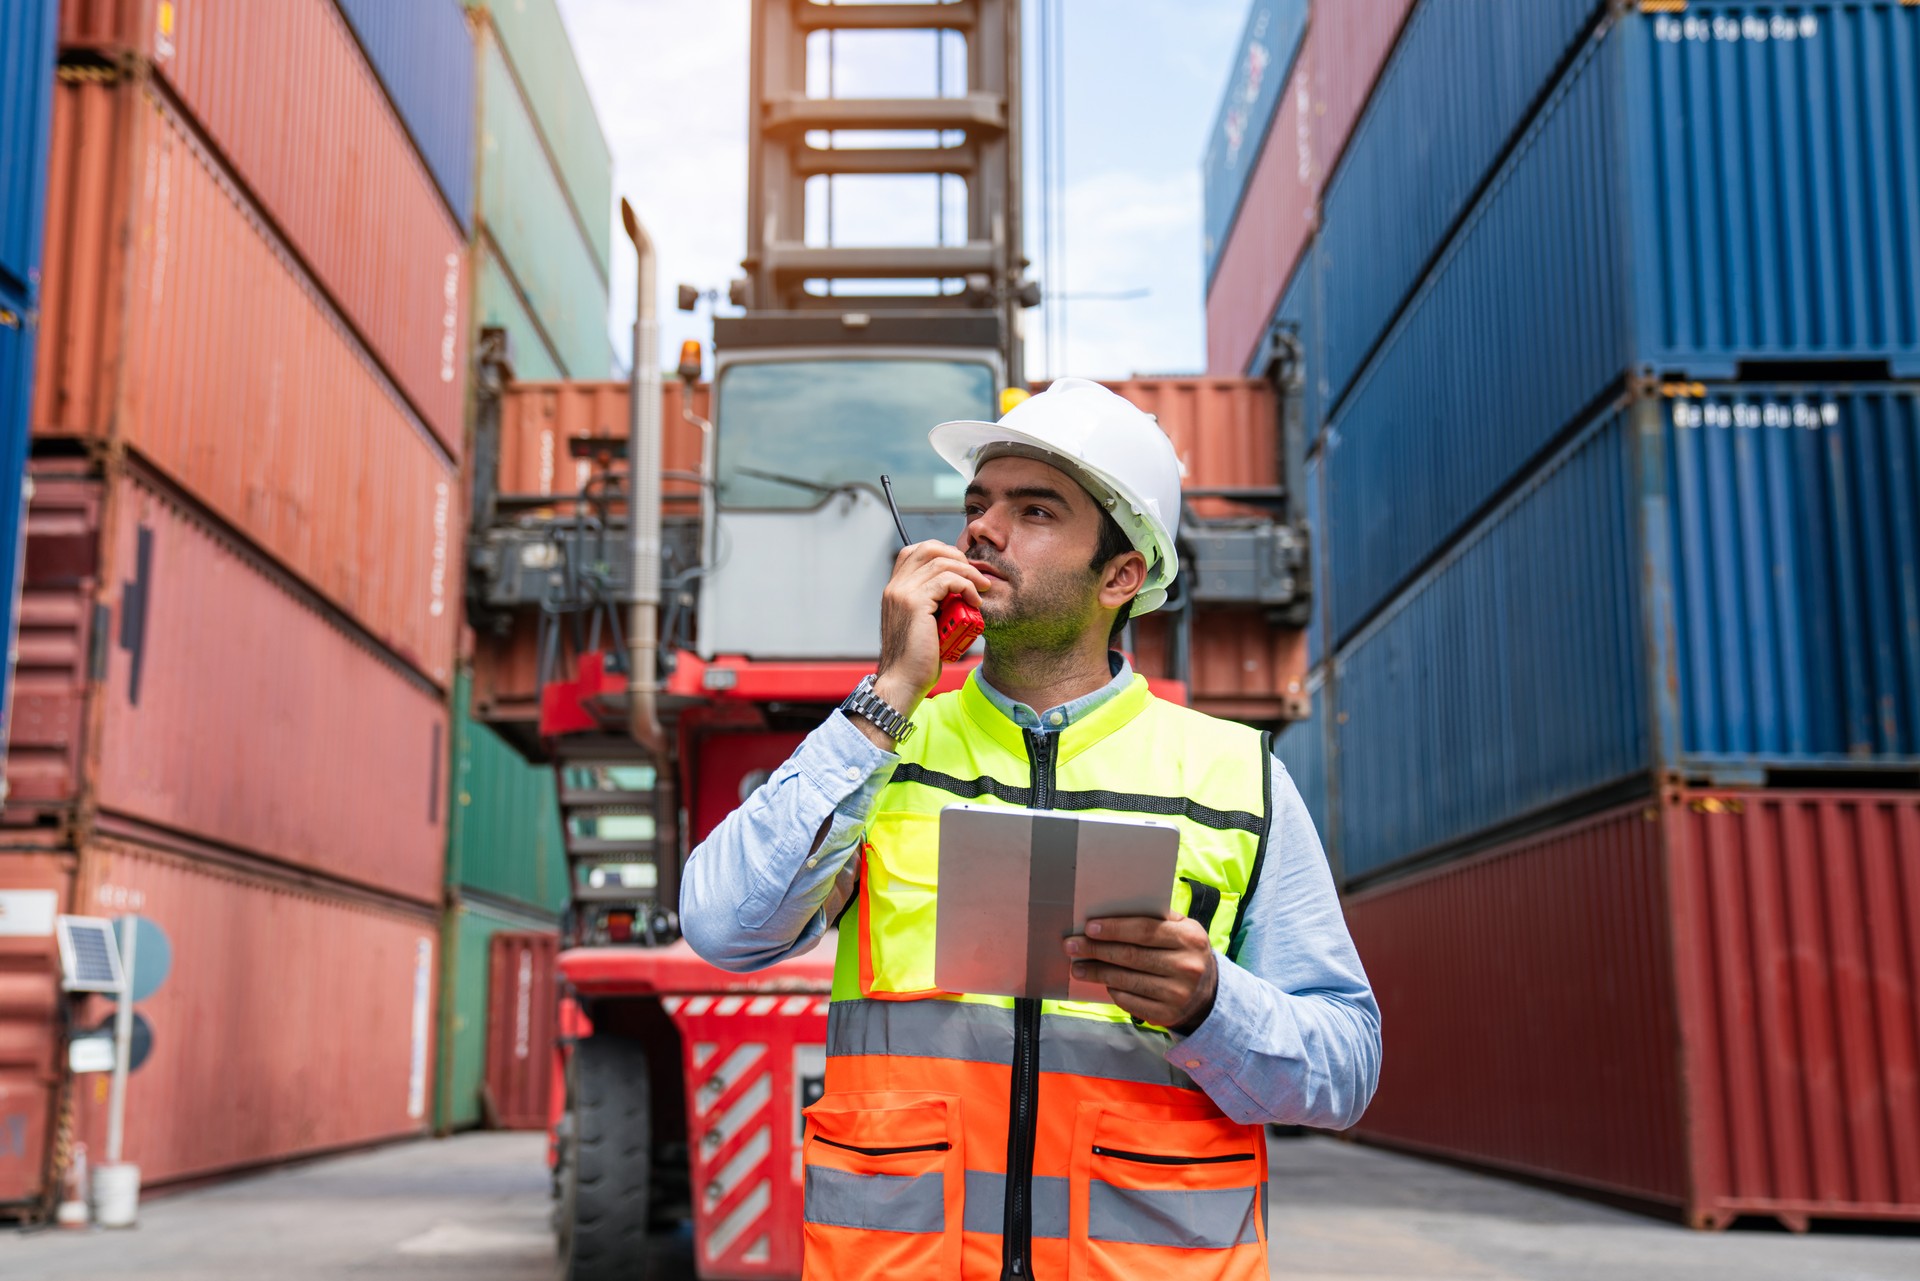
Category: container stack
<point>239,618</point>
<point>30,886</point>
<point>1612,318</point>
<point>540,249</point>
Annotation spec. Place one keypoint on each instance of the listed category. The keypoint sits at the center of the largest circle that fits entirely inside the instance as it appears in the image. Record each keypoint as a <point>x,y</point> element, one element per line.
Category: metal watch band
<point>878,712</point>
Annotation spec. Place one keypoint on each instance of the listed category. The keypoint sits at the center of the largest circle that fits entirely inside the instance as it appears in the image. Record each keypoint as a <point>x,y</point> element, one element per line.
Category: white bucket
<point>116,1195</point>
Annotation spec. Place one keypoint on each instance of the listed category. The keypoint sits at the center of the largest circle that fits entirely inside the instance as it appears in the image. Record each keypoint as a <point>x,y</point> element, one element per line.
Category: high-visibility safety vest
<point>982,1137</point>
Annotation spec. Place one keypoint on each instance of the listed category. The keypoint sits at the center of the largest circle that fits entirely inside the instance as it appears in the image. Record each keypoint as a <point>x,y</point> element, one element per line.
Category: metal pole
<point>122,1047</point>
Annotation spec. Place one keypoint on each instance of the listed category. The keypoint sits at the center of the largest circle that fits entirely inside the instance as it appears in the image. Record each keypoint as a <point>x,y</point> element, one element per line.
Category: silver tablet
<point>1014,883</point>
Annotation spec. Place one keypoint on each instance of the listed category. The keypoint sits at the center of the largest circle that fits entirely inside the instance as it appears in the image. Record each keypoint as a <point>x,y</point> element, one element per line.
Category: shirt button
<point>1193,1062</point>
<point>814,861</point>
<point>853,773</point>
<point>1056,718</point>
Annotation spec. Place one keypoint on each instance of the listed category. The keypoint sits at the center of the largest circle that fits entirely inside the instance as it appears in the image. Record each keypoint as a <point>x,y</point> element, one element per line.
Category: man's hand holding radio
<point>923,575</point>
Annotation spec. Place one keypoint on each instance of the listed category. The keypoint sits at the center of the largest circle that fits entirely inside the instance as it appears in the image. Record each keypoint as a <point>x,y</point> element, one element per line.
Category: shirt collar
<point>1055,719</point>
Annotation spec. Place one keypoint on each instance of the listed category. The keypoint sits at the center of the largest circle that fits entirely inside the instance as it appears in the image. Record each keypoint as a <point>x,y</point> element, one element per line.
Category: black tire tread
<point>612,1155</point>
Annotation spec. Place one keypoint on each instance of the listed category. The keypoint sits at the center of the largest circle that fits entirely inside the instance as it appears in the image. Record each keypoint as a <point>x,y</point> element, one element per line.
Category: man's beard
<point>1049,611</point>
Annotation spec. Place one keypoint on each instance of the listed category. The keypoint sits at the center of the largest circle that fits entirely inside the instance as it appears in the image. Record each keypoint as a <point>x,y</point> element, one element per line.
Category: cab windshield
<point>789,432</point>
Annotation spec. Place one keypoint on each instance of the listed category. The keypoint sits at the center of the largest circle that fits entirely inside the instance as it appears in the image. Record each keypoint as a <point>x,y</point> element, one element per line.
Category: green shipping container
<point>504,838</point>
<point>524,210</point>
<point>497,303</point>
<point>467,932</point>
<point>549,75</point>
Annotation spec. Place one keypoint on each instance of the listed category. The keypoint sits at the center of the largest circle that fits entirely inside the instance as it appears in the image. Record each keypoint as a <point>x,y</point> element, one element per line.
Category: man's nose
<point>987,527</point>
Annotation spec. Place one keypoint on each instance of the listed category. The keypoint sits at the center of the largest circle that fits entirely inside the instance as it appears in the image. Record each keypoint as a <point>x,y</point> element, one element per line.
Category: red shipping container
<point>1345,47</point>
<point>1709,1002</point>
<point>174,323</point>
<point>296,111</point>
<point>295,1020</point>
<point>221,703</point>
<point>522,1021</point>
<point>33,888</point>
<point>540,420</point>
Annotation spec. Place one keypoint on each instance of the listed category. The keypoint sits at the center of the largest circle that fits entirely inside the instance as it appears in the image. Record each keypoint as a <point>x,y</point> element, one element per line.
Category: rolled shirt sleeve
<point>1294,1034</point>
<point>757,890</point>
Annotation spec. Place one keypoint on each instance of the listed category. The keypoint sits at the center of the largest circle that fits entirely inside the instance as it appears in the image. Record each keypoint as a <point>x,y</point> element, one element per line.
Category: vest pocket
<point>1165,1191</point>
<point>885,1185</point>
<point>898,890</point>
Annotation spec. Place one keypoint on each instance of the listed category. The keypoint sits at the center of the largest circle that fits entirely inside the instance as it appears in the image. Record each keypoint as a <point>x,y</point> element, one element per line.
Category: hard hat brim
<point>961,442</point>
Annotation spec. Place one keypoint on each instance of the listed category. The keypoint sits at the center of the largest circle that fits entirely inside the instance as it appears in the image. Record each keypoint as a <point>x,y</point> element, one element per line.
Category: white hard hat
<point>1115,450</point>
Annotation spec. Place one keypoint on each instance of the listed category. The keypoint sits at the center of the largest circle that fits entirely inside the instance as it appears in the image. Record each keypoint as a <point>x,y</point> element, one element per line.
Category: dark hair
<point>1113,541</point>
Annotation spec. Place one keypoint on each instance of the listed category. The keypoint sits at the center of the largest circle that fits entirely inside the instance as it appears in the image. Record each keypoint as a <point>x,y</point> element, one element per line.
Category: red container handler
<point>753,1054</point>
<point>1708,1002</point>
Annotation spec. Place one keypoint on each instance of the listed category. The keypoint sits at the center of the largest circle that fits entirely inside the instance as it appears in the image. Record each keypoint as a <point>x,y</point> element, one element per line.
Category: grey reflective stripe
<point>1213,1219</point>
<point>987,1204</point>
<point>876,1202</point>
<point>937,1029</point>
<point>930,1029</point>
<point>1108,1050</point>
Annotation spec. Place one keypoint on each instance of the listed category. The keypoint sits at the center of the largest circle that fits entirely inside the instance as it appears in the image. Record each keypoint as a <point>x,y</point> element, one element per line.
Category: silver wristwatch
<point>877,711</point>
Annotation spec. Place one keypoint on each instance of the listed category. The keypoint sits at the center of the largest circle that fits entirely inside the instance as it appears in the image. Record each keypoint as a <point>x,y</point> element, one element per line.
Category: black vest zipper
<point>1016,1242</point>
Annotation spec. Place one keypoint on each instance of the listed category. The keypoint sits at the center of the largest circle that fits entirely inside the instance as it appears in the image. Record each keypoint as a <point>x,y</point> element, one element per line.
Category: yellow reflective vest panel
<point>977,1136</point>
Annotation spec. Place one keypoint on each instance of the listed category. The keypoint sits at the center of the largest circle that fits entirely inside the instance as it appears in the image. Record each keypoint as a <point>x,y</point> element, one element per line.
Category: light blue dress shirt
<point>1294,1034</point>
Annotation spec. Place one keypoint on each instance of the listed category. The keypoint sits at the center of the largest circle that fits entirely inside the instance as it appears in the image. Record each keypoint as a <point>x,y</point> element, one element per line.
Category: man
<point>980,1136</point>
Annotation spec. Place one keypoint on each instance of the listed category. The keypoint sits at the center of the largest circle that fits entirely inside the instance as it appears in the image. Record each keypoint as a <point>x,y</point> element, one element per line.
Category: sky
<point>1142,83</point>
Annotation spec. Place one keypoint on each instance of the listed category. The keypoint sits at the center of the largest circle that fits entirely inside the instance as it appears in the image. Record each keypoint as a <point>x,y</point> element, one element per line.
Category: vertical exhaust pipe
<point>643,503</point>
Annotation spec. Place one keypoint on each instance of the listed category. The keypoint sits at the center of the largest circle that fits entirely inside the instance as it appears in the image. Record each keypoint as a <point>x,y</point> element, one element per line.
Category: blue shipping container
<point>26,109</point>
<point>1461,83</point>
<point>17,331</point>
<point>1302,748</point>
<point>1299,306</point>
<point>423,53</point>
<point>1260,68</point>
<point>1316,563</point>
<point>1702,193</point>
<point>1712,586</point>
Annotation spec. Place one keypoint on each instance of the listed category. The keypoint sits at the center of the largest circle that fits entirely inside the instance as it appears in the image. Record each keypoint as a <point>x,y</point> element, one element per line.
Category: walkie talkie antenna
<point>887,485</point>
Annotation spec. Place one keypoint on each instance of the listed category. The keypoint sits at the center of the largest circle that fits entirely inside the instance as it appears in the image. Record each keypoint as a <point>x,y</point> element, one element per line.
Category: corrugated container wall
<point>26,108</point>
<point>523,1022</point>
<point>1641,224</point>
<point>1262,66</point>
<point>505,839</point>
<point>294,1020</point>
<point>497,304</point>
<point>423,54</point>
<point>1462,82</point>
<point>1302,748</point>
<point>176,323</point>
<point>292,106</point>
<point>470,928</point>
<point>238,736</point>
<point>26,103</point>
<point>1344,47</point>
<point>1716,587</point>
<point>1707,1002</point>
<point>1320,562</point>
<point>549,75</point>
<point>536,236</point>
<point>33,888</point>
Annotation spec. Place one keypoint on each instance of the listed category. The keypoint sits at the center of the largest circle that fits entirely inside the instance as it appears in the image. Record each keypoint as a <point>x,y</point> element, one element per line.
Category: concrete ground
<point>475,1207</point>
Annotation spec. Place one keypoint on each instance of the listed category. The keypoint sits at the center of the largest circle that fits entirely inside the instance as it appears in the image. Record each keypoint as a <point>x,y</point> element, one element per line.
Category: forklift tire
<point>606,1164</point>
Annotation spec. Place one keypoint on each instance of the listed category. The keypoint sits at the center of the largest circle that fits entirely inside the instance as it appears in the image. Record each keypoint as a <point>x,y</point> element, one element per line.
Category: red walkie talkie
<point>959,623</point>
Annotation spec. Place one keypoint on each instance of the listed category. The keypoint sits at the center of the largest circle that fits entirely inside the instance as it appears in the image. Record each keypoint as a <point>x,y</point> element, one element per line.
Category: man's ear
<point>1122,579</point>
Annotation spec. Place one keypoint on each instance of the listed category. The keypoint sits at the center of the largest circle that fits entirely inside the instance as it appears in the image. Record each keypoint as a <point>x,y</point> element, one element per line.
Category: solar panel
<point>89,955</point>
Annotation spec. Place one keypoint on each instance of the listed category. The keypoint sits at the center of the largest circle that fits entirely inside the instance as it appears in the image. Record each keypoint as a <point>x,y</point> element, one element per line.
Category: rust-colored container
<point>1240,666</point>
<point>296,111</point>
<point>173,322</point>
<point>1345,47</point>
<point>171,680</point>
<point>1709,1002</point>
<point>522,1021</point>
<point>1225,430</point>
<point>540,420</point>
<point>295,1019</point>
<point>33,888</point>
